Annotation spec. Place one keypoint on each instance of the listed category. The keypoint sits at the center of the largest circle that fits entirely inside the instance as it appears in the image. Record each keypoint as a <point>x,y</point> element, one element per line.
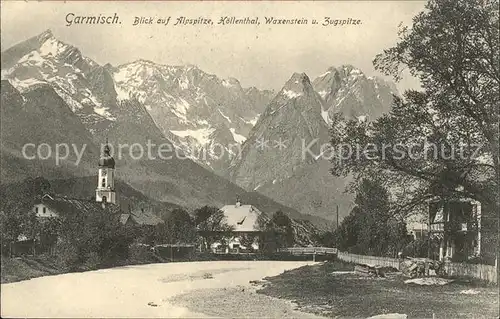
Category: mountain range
<point>52,93</point>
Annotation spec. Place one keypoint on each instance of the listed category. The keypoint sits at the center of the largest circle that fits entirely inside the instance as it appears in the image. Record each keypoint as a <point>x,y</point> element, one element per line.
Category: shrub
<point>68,256</point>
<point>92,261</point>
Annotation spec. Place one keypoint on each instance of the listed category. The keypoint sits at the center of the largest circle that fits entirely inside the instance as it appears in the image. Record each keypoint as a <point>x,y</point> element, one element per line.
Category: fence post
<point>496,269</point>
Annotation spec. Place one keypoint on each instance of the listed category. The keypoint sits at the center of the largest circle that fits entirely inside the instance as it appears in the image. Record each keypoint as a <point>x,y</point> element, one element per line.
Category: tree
<point>247,240</point>
<point>16,215</point>
<point>211,224</point>
<point>93,239</point>
<point>180,227</point>
<point>443,140</point>
<point>326,238</point>
<point>40,186</point>
<point>346,235</point>
<point>48,231</point>
<point>276,232</point>
<point>19,198</point>
<point>10,229</point>
<point>283,225</point>
<point>370,228</point>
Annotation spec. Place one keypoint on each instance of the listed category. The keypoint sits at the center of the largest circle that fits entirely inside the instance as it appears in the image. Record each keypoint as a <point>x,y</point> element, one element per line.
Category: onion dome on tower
<point>106,160</point>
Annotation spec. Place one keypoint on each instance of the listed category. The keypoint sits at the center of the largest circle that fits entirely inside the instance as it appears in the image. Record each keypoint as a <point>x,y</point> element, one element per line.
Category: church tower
<point>105,191</point>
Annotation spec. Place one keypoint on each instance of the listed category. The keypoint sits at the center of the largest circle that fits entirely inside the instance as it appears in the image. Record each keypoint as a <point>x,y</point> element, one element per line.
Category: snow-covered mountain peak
<point>139,69</point>
<point>232,83</point>
<point>45,60</point>
<point>193,108</point>
<point>300,79</point>
<point>297,86</point>
<point>52,46</point>
<point>45,35</point>
<point>341,72</point>
<point>348,90</point>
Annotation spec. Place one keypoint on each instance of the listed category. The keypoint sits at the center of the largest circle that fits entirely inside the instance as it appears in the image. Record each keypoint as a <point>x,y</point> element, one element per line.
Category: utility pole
<point>337,215</point>
<point>429,230</point>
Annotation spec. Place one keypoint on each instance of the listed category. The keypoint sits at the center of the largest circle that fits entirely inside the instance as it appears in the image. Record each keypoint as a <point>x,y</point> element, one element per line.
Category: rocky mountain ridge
<point>214,122</point>
<point>288,155</point>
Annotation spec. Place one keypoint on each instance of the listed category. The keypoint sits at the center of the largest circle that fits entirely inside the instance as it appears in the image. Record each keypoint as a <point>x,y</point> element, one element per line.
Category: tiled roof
<point>65,205</point>
<point>142,217</point>
<point>243,217</point>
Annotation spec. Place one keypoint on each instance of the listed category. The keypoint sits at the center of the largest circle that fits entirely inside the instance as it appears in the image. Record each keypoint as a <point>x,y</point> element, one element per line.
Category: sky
<point>264,56</point>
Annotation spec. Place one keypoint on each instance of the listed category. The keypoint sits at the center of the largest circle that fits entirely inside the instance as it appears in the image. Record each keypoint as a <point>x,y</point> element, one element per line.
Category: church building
<point>53,206</point>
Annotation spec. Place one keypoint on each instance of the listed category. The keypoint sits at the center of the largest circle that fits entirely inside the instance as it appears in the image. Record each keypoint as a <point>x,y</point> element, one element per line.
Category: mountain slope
<point>197,111</point>
<point>274,149</point>
<point>298,172</point>
<point>283,156</point>
<point>53,94</point>
<point>191,113</point>
<point>177,181</point>
<point>49,61</point>
<point>24,121</point>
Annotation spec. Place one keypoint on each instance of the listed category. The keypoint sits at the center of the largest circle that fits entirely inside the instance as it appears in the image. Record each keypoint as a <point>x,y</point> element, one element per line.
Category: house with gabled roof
<point>51,206</point>
<point>140,218</point>
<point>244,219</point>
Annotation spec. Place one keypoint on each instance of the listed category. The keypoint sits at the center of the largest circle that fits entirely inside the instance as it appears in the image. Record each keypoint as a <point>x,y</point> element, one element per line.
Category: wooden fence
<point>369,260</point>
<point>478,271</point>
<point>483,272</point>
<point>309,250</point>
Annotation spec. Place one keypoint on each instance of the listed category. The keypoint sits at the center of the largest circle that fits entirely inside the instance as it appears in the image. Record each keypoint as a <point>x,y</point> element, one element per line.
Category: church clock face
<point>104,173</point>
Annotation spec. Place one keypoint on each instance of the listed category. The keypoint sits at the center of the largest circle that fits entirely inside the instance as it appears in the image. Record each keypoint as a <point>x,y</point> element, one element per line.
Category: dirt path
<point>198,289</point>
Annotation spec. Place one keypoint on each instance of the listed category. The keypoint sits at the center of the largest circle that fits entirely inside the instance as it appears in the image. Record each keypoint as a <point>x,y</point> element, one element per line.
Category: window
<point>36,210</point>
<point>104,199</point>
<point>103,183</point>
<point>44,210</point>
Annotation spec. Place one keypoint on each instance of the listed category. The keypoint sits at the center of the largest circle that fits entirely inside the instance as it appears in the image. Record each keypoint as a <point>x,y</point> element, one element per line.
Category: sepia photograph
<point>250,159</point>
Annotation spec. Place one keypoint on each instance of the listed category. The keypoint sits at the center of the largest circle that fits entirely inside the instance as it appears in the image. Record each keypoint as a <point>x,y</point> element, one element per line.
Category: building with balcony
<point>457,226</point>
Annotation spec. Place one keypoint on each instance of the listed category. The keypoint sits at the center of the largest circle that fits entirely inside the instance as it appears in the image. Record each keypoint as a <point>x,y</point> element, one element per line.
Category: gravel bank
<point>240,302</point>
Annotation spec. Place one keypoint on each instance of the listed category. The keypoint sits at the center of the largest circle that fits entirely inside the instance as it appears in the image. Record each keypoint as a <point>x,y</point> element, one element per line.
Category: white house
<point>49,206</point>
<point>43,210</point>
<point>244,219</point>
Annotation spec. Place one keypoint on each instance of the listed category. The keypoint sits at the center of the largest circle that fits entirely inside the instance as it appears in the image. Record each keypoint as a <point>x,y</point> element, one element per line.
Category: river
<point>191,289</point>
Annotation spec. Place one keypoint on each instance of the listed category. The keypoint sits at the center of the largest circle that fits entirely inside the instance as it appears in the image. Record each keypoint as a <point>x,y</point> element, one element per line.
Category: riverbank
<point>333,289</point>
<point>28,267</point>
<point>24,268</point>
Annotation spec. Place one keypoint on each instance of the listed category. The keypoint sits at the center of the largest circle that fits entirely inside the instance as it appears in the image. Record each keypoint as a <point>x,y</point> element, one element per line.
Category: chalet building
<point>244,220</point>
<point>462,229</point>
<point>50,206</point>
